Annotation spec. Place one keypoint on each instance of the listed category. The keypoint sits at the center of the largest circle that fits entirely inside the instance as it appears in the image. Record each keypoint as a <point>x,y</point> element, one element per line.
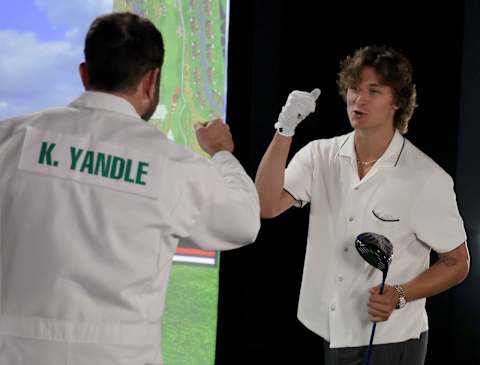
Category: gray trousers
<point>411,352</point>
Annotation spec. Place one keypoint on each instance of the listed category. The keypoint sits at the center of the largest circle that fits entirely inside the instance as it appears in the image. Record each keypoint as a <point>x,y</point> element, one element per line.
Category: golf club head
<point>376,249</point>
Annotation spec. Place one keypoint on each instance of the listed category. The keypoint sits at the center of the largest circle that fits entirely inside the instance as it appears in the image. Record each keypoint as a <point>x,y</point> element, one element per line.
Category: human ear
<point>150,82</point>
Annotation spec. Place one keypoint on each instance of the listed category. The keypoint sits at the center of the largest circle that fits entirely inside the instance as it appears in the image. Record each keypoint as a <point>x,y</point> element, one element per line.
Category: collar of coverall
<point>104,101</point>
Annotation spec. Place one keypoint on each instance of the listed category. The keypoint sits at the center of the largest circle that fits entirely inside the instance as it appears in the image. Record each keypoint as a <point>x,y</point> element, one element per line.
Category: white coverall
<point>93,202</point>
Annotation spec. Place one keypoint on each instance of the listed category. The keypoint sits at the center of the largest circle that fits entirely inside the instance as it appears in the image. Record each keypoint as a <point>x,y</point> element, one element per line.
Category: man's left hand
<point>214,136</point>
<point>381,306</point>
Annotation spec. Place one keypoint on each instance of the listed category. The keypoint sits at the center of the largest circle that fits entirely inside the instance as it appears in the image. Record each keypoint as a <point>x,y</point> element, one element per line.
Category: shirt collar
<point>389,158</point>
<point>104,101</point>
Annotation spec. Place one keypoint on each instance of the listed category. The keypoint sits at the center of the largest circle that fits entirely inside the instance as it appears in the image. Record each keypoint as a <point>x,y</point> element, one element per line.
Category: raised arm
<point>270,178</point>
<point>230,215</point>
<point>271,171</point>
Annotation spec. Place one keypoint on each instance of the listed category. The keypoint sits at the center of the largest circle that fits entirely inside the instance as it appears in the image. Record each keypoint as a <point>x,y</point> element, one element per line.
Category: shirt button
<point>356,188</point>
<point>332,308</point>
<point>345,249</point>
<point>350,219</point>
<point>340,278</point>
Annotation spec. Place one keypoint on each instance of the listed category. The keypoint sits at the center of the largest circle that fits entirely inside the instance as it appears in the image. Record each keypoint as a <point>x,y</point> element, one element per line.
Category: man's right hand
<point>298,106</point>
<point>214,136</point>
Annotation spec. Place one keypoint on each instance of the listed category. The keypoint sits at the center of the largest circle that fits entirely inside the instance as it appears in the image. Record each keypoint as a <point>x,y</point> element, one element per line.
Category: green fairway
<point>189,323</point>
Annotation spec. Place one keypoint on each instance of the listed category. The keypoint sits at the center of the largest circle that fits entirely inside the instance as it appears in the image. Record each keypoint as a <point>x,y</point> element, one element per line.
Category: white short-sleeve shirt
<point>405,196</point>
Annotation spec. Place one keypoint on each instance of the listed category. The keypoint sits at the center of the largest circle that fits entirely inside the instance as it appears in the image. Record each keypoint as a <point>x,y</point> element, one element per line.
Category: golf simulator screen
<point>41,46</point>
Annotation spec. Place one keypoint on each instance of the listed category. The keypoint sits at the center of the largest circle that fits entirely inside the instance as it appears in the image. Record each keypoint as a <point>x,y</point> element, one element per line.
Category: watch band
<point>401,297</point>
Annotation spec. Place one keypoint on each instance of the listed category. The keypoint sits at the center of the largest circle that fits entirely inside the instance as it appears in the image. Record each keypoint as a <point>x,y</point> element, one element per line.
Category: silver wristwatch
<point>401,297</point>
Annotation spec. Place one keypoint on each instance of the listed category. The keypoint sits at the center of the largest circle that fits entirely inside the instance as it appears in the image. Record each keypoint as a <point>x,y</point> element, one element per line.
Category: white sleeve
<point>229,215</point>
<point>299,174</point>
<point>435,216</point>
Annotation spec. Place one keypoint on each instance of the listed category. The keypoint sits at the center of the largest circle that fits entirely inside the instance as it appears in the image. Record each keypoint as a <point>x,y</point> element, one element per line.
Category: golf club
<point>377,250</point>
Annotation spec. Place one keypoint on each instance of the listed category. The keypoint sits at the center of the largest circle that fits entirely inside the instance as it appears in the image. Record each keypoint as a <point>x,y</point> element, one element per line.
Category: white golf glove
<point>299,104</point>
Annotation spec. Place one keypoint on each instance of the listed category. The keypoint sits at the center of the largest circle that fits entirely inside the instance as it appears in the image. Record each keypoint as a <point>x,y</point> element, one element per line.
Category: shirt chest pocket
<point>386,222</point>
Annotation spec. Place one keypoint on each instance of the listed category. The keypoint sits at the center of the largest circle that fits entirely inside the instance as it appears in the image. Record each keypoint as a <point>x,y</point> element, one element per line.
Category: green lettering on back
<point>128,169</point>
<point>74,155</point>
<point>118,167</point>
<point>88,162</point>
<point>141,170</point>
<point>46,153</point>
<point>102,164</point>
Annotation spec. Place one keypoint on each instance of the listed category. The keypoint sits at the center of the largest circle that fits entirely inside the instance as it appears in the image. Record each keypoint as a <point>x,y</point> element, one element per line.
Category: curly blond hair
<point>394,70</point>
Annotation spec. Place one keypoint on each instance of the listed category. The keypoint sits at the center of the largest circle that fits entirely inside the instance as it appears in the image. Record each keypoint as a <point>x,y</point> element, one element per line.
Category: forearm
<point>444,274</point>
<point>271,174</point>
<point>231,217</point>
<point>450,270</point>
<point>239,186</point>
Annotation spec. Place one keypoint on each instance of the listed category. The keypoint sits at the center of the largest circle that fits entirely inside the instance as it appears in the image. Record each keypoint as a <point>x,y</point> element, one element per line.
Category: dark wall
<point>465,307</point>
<point>279,46</point>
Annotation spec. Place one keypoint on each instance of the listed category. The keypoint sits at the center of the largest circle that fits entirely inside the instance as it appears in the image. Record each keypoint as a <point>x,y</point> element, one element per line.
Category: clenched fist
<point>214,136</point>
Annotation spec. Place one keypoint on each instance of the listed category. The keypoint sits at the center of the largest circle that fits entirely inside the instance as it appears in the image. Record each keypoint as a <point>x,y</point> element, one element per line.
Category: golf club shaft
<point>369,351</point>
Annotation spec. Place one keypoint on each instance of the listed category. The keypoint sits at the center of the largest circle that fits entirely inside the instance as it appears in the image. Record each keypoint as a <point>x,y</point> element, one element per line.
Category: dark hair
<point>395,71</point>
<point>119,49</point>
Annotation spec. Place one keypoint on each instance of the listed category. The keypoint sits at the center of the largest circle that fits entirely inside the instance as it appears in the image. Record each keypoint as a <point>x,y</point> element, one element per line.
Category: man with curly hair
<point>370,180</point>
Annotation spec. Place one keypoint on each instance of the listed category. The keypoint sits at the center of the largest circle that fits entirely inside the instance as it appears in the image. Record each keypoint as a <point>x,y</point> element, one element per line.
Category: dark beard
<point>153,105</point>
<point>149,112</point>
